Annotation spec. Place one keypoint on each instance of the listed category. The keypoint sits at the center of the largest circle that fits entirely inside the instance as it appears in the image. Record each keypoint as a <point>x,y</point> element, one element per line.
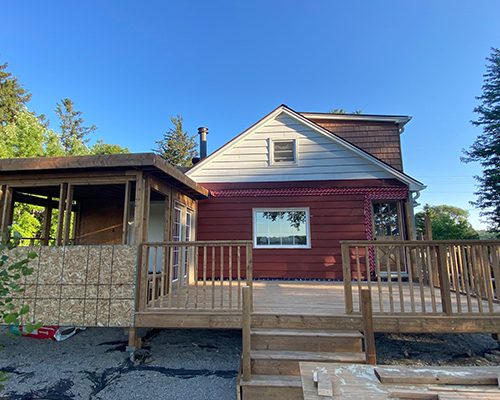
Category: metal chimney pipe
<point>203,132</point>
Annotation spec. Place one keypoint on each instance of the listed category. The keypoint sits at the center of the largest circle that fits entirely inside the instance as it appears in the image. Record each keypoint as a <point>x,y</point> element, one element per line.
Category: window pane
<point>281,228</point>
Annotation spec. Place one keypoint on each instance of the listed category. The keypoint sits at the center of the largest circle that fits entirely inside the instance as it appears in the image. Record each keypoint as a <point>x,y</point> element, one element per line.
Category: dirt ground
<point>183,364</point>
<point>449,349</point>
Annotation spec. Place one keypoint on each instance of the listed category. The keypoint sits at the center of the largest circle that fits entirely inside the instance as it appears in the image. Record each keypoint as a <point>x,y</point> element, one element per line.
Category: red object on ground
<point>45,332</point>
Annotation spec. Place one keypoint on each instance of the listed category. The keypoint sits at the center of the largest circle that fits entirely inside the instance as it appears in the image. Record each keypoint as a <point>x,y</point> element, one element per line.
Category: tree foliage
<point>447,222</point>
<point>486,147</point>
<point>177,146</point>
<point>343,111</point>
<point>74,134</point>
<point>13,97</point>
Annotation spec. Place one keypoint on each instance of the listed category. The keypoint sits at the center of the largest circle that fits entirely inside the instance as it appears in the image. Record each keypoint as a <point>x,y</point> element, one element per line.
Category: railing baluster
<point>465,269</point>
<point>495,260</point>
<point>187,267</point>
<point>196,255</point>
<point>379,279</point>
<point>409,267</point>
<point>153,285</point>
<point>368,270</point>
<point>456,279</point>
<point>420,278</point>
<point>358,273</point>
<point>400,281</point>
<point>170,274</point>
<point>213,277</point>
<point>426,254</point>
<point>487,277</point>
<point>230,276</point>
<point>238,272</point>
<point>221,277</point>
<point>389,278</point>
<point>476,278</point>
<point>204,276</point>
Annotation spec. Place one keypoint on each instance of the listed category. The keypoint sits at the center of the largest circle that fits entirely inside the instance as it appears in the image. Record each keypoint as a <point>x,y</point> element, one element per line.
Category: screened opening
<point>284,151</point>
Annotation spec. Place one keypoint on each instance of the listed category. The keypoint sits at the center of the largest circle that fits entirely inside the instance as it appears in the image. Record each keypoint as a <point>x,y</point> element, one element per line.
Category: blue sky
<point>130,65</point>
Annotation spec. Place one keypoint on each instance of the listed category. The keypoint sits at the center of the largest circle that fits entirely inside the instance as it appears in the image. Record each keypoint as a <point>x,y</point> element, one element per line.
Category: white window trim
<point>273,246</point>
<point>284,163</point>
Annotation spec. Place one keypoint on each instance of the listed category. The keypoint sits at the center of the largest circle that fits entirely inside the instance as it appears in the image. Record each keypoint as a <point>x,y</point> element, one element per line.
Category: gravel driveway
<point>174,364</point>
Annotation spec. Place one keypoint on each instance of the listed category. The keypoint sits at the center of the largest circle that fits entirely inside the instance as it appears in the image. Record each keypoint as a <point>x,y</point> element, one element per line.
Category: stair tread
<point>307,332</point>
<point>307,356</point>
<point>273,380</point>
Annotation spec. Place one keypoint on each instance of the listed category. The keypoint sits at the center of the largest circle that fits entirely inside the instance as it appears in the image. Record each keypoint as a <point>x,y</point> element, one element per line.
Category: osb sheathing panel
<point>80,285</point>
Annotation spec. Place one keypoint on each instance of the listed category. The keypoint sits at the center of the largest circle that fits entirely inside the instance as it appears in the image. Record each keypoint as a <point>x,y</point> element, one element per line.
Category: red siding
<point>332,218</point>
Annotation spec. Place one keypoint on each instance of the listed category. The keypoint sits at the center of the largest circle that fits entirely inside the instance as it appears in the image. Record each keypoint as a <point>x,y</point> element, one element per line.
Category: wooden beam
<point>126,212</point>
<point>146,208</point>
<point>67,213</point>
<point>60,217</point>
<point>368,332</point>
<point>410,229</point>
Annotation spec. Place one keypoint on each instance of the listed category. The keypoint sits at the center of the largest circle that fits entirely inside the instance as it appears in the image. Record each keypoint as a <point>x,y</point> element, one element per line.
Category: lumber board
<point>441,375</point>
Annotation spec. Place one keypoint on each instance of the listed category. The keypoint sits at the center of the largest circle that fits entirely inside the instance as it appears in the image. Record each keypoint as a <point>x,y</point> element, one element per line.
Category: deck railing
<point>195,275</point>
<point>423,277</point>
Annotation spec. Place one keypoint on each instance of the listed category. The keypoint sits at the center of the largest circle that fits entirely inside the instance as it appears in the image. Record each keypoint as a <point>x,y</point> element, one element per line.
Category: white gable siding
<point>319,158</point>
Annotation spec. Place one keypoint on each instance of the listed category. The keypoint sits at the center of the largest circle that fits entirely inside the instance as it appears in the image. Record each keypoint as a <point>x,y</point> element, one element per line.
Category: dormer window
<point>284,151</point>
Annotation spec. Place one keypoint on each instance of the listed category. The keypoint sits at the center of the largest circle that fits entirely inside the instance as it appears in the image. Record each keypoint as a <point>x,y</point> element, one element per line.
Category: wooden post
<point>7,207</point>
<point>134,341</point>
<point>409,220</point>
<point>60,217</point>
<point>428,226</point>
<point>249,272</point>
<point>246,334</point>
<point>138,209</point>
<point>444,279</point>
<point>369,335</point>
<point>126,211</point>
<point>47,220</point>
<point>346,275</point>
<point>67,213</point>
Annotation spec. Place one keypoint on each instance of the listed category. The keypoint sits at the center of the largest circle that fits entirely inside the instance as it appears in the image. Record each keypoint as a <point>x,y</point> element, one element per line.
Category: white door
<point>182,232</point>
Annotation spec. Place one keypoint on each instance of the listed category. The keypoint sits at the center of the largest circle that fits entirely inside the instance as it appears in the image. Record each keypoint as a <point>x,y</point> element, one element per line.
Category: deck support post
<point>6,212</point>
<point>246,323</point>
<point>444,280</point>
<point>368,333</point>
<point>346,276</point>
<point>134,340</point>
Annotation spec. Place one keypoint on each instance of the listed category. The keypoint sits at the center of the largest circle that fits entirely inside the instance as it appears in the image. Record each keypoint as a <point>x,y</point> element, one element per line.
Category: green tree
<point>13,97</point>
<point>447,222</point>
<point>74,134</point>
<point>27,135</point>
<point>101,148</point>
<point>177,146</point>
<point>342,111</point>
<point>486,148</point>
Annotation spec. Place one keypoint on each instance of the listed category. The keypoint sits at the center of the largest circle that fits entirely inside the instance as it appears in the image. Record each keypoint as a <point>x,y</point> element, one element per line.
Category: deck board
<point>311,298</point>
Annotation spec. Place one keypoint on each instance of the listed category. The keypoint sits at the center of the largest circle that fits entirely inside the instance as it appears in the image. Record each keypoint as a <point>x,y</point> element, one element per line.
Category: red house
<point>298,183</point>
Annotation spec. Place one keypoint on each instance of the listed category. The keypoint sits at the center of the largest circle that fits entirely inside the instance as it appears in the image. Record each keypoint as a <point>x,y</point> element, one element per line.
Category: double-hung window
<point>281,228</point>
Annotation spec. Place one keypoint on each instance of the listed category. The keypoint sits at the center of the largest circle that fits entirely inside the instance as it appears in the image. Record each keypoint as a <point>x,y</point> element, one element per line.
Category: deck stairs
<point>277,351</point>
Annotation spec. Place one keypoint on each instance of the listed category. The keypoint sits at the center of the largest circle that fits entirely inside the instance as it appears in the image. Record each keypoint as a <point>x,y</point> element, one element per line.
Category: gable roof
<point>400,120</point>
<point>412,183</point>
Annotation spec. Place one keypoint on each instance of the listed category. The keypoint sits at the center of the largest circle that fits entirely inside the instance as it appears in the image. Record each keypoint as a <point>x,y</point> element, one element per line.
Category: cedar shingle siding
<point>378,138</point>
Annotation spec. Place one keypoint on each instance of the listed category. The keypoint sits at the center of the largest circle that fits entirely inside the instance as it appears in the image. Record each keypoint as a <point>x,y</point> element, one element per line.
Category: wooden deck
<point>318,302</point>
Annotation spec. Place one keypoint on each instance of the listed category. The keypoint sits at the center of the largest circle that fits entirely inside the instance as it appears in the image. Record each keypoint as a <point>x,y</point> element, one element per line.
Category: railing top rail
<point>201,243</point>
<point>418,242</point>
